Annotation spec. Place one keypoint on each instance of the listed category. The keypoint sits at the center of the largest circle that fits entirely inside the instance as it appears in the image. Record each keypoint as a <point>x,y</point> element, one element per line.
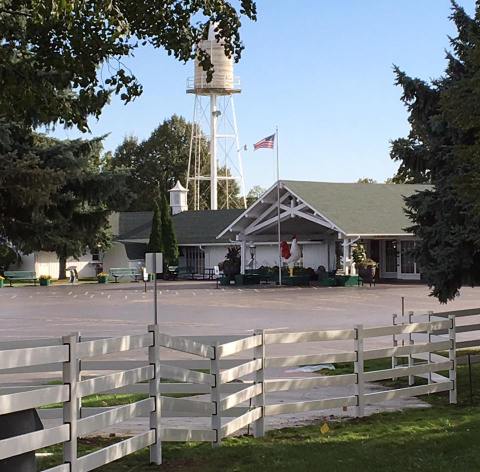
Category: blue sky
<point>319,69</point>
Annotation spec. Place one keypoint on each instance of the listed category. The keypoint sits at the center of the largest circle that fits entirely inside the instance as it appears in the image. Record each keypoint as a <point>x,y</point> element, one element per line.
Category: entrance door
<point>408,266</point>
<point>389,259</point>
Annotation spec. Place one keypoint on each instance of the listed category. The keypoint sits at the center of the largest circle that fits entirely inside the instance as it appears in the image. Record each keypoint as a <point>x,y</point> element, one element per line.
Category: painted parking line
<point>69,293</point>
<point>75,296</point>
<point>109,296</point>
<point>92,295</point>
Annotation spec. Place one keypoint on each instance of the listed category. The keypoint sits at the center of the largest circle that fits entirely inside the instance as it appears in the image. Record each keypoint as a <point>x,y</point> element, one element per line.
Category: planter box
<point>247,279</point>
<point>2,283</point>
<point>45,282</point>
<point>327,282</point>
<point>296,280</point>
<point>346,280</point>
<point>102,280</point>
<point>225,281</point>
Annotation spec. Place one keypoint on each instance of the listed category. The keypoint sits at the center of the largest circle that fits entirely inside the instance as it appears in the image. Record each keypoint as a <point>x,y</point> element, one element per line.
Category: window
<point>407,259</point>
<point>95,253</point>
<point>195,258</point>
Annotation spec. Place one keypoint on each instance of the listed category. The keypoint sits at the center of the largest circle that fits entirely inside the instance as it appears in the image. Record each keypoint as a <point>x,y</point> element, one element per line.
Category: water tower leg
<point>239,153</point>
<point>213,152</point>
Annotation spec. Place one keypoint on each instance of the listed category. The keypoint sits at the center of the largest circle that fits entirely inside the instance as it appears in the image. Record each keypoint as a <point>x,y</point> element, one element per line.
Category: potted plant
<point>2,281</point>
<point>358,254</point>
<point>366,267</point>
<point>45,280</point>
<point>367,270</point>
<point>231,264</point>
<point>102,277</point>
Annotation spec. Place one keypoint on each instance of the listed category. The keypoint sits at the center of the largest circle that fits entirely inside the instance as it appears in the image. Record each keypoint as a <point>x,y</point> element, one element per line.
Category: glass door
<point>389,259</point>
<point>408,266</point>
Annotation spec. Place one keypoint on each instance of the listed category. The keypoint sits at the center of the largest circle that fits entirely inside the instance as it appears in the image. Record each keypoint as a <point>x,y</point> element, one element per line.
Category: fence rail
<point>237,388</point>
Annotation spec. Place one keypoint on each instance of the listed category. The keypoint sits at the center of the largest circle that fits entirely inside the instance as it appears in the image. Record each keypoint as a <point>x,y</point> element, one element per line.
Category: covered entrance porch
<point>323,241</point>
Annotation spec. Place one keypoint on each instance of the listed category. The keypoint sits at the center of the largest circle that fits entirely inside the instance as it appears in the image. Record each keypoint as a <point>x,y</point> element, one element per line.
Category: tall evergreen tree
<point>155,243</point>
<point>443,148</point>
<point>55,195</point>
<point>169,240</point>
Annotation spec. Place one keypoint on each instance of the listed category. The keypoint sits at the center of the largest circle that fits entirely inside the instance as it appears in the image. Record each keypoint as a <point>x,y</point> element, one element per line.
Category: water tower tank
<point>223,81</point>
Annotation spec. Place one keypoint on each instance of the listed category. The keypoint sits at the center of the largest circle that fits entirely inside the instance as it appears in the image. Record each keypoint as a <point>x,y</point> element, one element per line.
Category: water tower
<point>214,120</point>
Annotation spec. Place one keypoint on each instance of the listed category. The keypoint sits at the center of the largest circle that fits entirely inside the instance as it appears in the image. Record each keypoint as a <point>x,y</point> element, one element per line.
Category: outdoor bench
<point>118,272</point>
<point>12,275</point>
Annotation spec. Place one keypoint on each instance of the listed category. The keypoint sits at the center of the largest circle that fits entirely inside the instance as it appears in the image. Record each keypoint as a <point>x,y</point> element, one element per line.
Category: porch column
<point>243,247</point>
<point>345,243</point>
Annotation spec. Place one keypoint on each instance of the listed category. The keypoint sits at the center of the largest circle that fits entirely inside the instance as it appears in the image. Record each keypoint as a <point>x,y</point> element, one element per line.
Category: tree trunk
<point>62,269</point>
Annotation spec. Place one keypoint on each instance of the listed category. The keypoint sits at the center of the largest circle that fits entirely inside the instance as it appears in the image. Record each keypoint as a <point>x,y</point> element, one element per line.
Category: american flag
<point>265,143</point>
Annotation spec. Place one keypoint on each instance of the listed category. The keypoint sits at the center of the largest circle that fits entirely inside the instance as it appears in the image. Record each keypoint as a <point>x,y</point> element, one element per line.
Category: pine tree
<point>55,195</point>
<point>155,243</point>
<point>170,247</point>
<point>443,149</point>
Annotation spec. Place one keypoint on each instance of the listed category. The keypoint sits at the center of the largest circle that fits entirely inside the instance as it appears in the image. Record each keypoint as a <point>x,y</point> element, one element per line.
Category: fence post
<point>394,343</point>
<point>359,369</point>
<point>429,335</point>
<point>79,378</point>
<point>154,389</point>
<point>215,395</point>
<point>70,408</point>
<point>411,378</point>
<point>452,373</point>
<point>259,400</point>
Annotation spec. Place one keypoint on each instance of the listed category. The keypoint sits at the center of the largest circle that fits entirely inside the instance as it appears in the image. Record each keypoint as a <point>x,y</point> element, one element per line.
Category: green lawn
<point>440,438</point>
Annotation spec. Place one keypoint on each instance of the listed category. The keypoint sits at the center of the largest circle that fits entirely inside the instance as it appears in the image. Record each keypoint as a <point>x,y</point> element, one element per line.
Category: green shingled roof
<point>191,227</point>
<point>197,227</point>
<point>358,208</point>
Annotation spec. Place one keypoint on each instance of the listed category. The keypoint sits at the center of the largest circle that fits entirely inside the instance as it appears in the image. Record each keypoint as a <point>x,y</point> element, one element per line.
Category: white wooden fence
<point>215,370</point>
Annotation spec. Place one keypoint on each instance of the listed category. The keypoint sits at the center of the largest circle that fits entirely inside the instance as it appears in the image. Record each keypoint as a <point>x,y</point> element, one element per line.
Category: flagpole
<point>278,214</point>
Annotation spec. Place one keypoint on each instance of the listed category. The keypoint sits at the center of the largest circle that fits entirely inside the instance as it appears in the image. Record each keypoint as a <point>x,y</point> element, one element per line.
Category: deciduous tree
<point>157,163</point>
<point>61,60</point>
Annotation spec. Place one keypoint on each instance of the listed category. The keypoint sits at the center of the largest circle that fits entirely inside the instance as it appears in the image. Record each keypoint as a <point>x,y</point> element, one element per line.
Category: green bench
<point>12,275</point>
<point>117,272</point>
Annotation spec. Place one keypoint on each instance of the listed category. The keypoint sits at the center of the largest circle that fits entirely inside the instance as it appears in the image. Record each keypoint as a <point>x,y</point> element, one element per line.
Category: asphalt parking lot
<point>199,308</point>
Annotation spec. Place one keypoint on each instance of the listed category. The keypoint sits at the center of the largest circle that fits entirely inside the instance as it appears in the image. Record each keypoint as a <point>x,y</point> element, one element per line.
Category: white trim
<point>317,216</point>
<point>265,224</point>
<point>380,235</point>
<point>259,201</point>
<point>259,218</point>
